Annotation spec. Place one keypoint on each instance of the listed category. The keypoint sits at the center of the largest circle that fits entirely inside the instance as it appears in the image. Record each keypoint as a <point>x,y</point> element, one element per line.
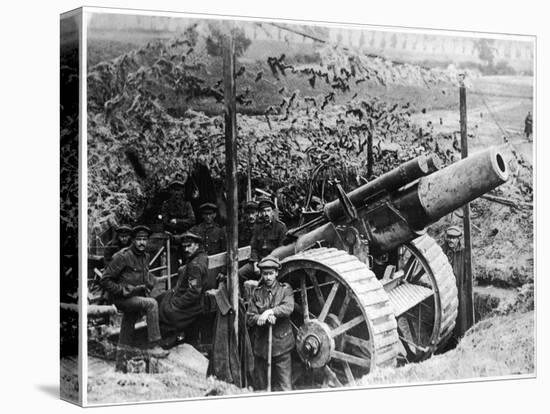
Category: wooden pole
<point>269,355</point>
<point>231,174</point>
<point>466,296</point>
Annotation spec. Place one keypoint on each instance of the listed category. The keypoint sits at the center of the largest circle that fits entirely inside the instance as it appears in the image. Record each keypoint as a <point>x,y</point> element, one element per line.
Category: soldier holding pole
<point>268,313</point>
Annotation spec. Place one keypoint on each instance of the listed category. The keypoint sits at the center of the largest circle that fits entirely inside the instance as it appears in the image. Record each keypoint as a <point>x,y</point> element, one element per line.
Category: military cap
<point>176,183</point>
<point>141,228</point>
<point>123,229</point>
<point>265,202</point>
<point>208,207</point>
<point>189,237</point>
<point>251,206</point>
<point>269,262</point>
<point>454,231</point>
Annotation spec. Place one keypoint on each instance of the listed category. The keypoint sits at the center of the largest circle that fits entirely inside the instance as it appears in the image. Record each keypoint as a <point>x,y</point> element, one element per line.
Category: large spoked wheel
<point>425,299</point>
<point>343,321</point>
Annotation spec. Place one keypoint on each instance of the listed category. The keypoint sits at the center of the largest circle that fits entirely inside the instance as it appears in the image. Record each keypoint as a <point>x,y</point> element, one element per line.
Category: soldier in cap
<point>271,303</point>
<point>246,225</point>
<point>177,213</point>
<point>213,236</point>
<point>268,234</point>
<point>455,253</point>
<point>122,239</point>
<point>182,305</point>
<point>128,285</point>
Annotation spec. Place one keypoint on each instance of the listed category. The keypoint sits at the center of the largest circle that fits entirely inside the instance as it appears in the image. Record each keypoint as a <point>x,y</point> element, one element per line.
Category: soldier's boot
<point>154,350</point>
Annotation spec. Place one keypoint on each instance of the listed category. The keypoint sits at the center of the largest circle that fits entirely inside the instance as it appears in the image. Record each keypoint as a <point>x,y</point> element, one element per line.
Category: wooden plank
<point>219,261</point>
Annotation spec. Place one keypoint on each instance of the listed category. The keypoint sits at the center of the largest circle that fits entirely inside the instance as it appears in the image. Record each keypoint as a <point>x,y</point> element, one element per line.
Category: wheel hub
<point>314,343</point>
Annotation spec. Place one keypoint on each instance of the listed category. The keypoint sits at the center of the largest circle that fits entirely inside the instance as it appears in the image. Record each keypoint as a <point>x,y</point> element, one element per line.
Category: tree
<point>214,42</point>
<point>486,51</point>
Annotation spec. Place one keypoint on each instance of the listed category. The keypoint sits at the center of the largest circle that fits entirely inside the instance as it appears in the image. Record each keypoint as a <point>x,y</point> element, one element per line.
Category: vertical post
<point>370,155</point>
<point>466,296</point>
<point>231,174</point>
<point>249,176</point>
<point>168,264</point>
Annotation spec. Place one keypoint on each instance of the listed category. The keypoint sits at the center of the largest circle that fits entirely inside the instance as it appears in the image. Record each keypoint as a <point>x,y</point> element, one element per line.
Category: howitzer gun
<point>371,287</point>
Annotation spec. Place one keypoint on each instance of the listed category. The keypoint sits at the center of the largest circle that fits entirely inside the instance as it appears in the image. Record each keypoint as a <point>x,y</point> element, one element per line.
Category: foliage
<point>129,119</point>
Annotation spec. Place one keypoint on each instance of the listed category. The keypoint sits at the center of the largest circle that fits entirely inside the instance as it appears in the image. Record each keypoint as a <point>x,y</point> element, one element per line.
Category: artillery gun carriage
<point>371,287</point>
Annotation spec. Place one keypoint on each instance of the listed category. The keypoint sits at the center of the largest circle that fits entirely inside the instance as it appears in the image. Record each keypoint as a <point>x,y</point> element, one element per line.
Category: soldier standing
<point>181,306</point>
<point>272,303</point>
<point>528,125</point>
<point>212,235</point>
<point>455,253</point>
<point>128,284</point>
<point>246,225</point>
<point>268,234</point>
<point>177,212</point>
<point>123,238</point>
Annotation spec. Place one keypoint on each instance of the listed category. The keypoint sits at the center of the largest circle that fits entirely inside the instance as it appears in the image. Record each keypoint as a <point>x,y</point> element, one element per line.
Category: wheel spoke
<point>352,359</point>
<point>409,266</point>
<point>344,307</point>
<point>328,303</point>
<point>362,344</point>
<point>331,376</point>
<point>349,374</point>
<point>316,287</point>
<point>418,276</point>
<point>346,326</point>
<point>305,307</point>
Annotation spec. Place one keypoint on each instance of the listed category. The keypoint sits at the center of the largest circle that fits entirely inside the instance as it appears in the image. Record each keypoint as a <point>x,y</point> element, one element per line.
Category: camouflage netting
<point>143,129</point>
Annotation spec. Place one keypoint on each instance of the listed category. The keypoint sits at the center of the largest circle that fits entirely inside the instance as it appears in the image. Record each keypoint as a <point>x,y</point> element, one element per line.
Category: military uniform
<point>245,233</point>
<point>127,282</point>
<point>456,259</point>
<point>116,244</point>
<point>280,299</point>
<point>213,237</point>
<point>245,227</point>
<point>181,306</point>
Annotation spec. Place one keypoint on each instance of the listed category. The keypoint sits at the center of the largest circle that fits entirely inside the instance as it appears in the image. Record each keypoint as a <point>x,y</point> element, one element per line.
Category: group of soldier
<point>129,284</point>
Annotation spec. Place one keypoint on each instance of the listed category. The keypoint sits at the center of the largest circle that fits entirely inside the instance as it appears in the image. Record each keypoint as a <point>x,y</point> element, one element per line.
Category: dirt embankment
<point>498,346</point>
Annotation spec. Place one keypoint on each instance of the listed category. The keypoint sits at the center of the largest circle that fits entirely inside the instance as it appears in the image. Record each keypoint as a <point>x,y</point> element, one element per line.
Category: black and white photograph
<point>276,207</point>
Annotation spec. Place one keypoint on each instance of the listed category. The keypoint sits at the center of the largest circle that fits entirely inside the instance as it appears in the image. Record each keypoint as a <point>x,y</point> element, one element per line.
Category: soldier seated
<point>271,303</point>
<point>128,285</point>
<point>181,306</point>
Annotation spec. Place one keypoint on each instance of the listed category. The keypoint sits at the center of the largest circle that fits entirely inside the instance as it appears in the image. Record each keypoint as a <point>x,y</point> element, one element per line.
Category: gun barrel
<point>412,209</point>
<point>462,182</point>
<point>388,182</point>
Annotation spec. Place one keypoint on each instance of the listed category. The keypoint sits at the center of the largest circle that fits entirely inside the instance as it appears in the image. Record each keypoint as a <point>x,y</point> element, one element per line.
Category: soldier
<point>268,234</point>
<point>181,306</point>
<point>246,225</point>
<point>528,125</point>
<point>128,284</point>
<point>454,251</point>
<point>122,239</point>
<point>177,212</point>
<point>212,235</point>
<point>271,303</point>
